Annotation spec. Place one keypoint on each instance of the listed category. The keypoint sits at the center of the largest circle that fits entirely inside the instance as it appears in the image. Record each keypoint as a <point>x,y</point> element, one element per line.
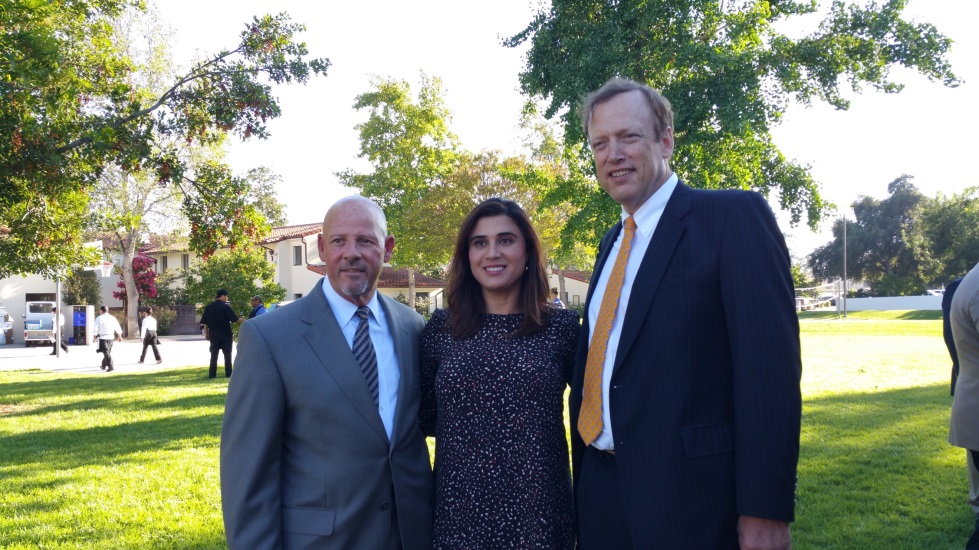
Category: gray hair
<point>659,106</point>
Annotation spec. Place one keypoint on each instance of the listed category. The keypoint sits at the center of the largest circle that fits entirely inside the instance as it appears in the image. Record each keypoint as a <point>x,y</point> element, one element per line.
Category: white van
<point>38,323</point>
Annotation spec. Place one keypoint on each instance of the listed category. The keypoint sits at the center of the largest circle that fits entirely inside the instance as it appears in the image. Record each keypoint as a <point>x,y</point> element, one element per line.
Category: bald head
<point>354,245</point>
<point>357,203</point>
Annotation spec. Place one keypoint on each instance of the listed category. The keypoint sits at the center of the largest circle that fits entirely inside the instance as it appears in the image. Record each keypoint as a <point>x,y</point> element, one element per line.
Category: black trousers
<point>149,341</point>
<point>223,345</point>
<point>54,346</point>
<point>601,517</point>
<point>105,346</point>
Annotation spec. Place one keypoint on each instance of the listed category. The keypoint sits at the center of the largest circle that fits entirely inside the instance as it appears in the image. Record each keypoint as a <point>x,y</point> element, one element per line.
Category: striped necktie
<point>364,351</point>
<point>590,416</point>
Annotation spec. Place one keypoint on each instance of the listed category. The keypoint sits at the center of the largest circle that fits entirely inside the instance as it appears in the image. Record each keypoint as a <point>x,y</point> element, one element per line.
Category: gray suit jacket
<point>305,460</point>
<point>964,429</point>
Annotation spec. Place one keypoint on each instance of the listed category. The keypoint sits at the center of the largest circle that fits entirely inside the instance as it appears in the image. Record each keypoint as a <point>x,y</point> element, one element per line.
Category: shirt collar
<point>344,309</point>
<point>650,211</point>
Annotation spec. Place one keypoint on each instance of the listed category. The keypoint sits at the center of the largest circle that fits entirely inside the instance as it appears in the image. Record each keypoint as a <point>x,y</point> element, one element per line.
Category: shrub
<point>165,318</point>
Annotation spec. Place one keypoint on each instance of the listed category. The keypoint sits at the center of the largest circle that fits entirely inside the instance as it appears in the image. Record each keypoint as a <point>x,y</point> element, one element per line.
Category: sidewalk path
<point>177,351</point>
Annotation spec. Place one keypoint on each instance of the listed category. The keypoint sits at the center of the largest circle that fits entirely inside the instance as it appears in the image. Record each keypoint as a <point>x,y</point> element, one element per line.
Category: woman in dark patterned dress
<point>495,366</point>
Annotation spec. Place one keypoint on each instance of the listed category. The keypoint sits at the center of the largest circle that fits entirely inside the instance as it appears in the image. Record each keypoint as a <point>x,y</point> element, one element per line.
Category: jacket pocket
<point>707,440</point>
<point>308,521</point>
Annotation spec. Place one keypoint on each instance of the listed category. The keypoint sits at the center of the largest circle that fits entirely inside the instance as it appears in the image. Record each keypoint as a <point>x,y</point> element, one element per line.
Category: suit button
<point>385,506</point>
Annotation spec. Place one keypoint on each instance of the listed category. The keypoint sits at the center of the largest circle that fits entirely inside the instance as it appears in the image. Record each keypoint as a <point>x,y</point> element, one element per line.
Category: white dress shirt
<point>149,323</point>
<point>106,326</point>
<point>388,369</point>
<point>646,218</point>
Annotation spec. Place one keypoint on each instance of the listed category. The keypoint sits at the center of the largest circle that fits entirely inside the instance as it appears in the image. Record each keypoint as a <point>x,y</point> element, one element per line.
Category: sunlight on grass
<point>131,461</point>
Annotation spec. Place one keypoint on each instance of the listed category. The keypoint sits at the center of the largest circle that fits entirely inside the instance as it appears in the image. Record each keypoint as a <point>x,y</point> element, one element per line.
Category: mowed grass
<point>131,461</point>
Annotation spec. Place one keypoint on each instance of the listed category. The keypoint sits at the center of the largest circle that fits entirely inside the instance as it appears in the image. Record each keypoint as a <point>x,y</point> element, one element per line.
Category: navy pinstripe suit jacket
<point>705,399</point>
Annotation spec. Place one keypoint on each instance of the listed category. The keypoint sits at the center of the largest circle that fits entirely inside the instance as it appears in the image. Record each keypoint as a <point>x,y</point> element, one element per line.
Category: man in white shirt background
<point>56,335</point>
<point>106,330</point>
<point>147,331</point>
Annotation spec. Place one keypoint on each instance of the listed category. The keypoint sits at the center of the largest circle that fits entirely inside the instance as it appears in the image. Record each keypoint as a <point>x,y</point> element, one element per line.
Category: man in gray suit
<point>321,445</point>
<point>964,429</point>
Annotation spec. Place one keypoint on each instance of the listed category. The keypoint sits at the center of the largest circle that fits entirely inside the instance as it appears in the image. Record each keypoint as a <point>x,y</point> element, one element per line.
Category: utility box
<point>82,325</point>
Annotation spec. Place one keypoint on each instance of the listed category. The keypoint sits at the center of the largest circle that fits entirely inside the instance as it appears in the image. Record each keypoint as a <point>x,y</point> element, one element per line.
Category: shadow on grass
<point>909,315</point>
<point>81,444</point>
<point>876,471</point>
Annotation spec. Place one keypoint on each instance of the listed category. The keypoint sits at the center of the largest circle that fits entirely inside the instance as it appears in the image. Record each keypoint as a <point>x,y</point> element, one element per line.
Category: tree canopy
<point>729,72</point>
<point>70,109</point>
<point>905,243</point>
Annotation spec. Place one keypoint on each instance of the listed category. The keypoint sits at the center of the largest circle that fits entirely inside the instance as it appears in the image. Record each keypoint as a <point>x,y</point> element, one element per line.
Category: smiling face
<point>631,162</point>
<point>354,247</point>
<point>498,257</point>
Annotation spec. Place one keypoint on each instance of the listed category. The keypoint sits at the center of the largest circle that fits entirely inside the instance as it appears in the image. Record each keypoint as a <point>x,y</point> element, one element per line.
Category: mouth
<point>494,268</point>
<point>620,173</point>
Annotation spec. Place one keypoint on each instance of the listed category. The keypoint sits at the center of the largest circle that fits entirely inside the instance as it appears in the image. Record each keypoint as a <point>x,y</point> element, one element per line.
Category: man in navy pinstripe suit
<point>700,403</point>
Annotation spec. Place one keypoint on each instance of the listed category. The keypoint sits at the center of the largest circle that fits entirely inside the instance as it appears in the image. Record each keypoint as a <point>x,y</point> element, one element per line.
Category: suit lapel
<point>653,267</point>
<point>323,334</point>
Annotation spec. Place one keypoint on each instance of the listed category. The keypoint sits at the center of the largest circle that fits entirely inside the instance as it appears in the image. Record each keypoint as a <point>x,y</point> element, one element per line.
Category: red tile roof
<point>392,278</point>
<point>292,232</point>
<point>157,245</point>
<point>583,276</point>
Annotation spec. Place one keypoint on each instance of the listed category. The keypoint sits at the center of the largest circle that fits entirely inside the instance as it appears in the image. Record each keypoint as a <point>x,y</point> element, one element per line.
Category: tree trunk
<point>561,293</point>
<point>411,287</point>
<point>132,295</point>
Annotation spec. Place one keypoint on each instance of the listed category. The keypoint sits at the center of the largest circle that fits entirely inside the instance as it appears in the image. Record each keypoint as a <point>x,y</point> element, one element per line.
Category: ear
<point>666,142</point>
<point>388,248</point>
<point>321,247</point>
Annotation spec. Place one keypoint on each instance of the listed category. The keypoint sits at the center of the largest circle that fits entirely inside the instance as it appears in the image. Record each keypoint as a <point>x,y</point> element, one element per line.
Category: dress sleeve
<point>432,341</point>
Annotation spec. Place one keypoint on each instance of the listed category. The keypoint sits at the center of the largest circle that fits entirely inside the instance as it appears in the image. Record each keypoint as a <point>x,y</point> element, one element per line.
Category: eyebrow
<point>503,234</point>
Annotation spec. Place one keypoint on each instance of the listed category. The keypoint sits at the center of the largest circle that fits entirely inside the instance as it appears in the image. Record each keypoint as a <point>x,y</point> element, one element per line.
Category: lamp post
<point>844,267</point>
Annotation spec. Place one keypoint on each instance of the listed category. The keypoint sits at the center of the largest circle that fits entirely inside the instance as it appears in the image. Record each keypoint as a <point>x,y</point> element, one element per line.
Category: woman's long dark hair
<point>467,309</point>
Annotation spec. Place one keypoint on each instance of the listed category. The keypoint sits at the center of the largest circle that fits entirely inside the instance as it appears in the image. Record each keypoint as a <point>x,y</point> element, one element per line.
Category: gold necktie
<point>590,416</point>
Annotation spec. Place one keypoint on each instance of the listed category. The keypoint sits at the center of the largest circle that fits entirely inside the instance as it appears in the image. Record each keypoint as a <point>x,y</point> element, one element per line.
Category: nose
<point>615,150</point>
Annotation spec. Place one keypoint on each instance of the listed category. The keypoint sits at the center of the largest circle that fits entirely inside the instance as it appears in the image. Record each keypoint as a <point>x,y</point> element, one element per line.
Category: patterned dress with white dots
<point>495,404</point>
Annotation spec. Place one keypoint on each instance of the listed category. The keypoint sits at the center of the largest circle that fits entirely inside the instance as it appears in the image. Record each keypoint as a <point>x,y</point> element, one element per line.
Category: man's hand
<point>763,534</point>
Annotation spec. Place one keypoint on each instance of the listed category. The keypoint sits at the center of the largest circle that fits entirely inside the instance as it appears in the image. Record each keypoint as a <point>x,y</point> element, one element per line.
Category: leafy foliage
<point>729,73</point>
<point>244,273</point>
<point>143,276</point>
<point>70,110</point>
<point>169,290</point>
<point>81,288</point>
<point>905,243</point>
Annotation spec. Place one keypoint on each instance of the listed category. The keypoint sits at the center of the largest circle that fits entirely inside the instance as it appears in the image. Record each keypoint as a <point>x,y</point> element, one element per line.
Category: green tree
<point>730,74</point>
<point>71,108</point>
<point>885,244</point>
<point>81,288</point>
<point>244,273</point>
<point>951,228</point>
<point>263,182</point>
<point>408,142</point>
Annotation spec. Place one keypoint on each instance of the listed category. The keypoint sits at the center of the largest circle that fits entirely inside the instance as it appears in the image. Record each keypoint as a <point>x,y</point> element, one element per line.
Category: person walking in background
<point>216,321</point>
<point>107,332</point>
<point>495,366</point>
<point>947,328</point>
<point>685,401</point>
<point>147,332</point>
<point>964,427</point>
<point>258,308</point>
<point>321,445</point>
<point>556,299</point>
<point>57,331</point>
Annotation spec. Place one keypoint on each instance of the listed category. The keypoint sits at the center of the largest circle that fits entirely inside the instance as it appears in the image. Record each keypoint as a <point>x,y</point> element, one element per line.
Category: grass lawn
<point>131,461</point>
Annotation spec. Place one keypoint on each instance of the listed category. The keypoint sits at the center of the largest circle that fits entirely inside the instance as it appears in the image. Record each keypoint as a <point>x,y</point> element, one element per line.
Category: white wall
<point>14,290</point>
<point>572,287</point>
<point>894,303</point>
